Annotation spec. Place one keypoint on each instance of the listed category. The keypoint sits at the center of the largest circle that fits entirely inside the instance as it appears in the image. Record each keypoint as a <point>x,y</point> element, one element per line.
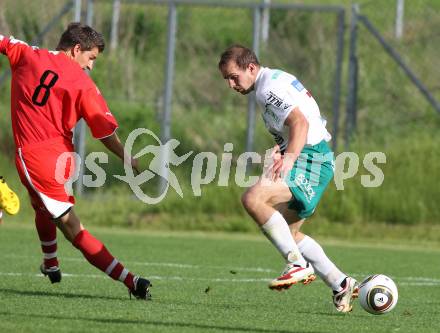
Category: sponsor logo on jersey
<point>274,99</point>
<point>276,74</point>
<point>297,85</point>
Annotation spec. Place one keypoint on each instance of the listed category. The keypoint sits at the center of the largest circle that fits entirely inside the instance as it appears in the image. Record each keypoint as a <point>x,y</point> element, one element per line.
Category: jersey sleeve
<point>97,115</point>
<point>12,48</point>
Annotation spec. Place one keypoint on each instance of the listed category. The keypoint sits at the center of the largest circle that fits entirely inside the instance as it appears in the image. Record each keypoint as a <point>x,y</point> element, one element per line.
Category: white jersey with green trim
<point>278,93</point>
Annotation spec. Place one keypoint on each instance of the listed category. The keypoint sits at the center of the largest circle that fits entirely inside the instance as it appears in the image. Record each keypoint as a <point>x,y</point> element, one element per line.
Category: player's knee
<point>249,200</point>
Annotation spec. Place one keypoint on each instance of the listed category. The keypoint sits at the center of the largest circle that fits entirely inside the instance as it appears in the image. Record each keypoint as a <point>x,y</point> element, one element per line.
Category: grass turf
<point>205,283</point>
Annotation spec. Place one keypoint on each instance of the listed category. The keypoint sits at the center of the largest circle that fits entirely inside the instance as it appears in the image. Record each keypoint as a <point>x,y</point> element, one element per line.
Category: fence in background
<point>280,49</point>
<point>258,9</point>
<point>405,31</point>
<point>307,40</point>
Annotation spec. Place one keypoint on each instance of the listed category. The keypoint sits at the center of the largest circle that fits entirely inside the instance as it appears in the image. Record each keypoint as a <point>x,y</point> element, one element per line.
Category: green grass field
<point>205,283</point>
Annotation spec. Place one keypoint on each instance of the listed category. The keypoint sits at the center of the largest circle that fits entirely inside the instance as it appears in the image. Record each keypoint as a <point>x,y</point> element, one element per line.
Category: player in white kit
<point>303,166</point>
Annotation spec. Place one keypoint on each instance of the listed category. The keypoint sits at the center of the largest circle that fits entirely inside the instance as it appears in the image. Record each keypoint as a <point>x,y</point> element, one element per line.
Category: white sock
<point>278,232</point>
<point>325,268</point>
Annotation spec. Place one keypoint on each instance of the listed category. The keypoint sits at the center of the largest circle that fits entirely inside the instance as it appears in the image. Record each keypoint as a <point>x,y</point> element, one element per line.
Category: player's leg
<point>259,201</point>
<point>345,288</point>
<point>312,251</point>
<point>47,233</point>
<point>37,174</point>
<point>97,254</point>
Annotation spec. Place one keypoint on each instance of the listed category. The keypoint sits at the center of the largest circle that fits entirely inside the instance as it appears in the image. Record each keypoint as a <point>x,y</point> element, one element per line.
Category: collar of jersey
<point>260,72</point>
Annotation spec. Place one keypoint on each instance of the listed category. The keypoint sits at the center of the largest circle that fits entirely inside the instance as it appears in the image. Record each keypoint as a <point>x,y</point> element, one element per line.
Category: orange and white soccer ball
<point>378,294</point>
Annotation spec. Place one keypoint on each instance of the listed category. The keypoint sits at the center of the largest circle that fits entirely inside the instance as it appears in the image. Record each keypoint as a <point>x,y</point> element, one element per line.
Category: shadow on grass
<point>238,307</point>
<point>154,323</point>
<point>54,294</point>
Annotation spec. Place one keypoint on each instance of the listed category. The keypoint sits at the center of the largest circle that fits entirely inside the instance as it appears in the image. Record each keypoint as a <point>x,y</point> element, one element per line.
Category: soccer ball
<point>378,294</point>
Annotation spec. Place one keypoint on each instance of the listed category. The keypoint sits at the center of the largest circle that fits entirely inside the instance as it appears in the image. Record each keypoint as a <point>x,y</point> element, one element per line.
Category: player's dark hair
<point>241,55</point>
<point>85,36</point>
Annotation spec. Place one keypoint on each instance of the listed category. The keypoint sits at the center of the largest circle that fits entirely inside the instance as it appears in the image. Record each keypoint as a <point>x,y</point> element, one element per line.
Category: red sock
<point>47,232</point>
<point>96,254</point>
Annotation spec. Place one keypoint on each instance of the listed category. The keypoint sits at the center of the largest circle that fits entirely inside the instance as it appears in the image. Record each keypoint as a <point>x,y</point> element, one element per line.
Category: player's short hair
<point>241,55</point>
<point>85,36</point>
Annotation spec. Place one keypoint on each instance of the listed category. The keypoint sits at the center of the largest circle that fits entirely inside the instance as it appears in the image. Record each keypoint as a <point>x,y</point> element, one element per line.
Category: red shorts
<point>46,170</point>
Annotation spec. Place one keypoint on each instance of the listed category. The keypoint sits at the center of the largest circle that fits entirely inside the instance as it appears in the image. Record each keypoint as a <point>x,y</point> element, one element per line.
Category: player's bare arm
<point>113,143</point>
<point>298,129</point>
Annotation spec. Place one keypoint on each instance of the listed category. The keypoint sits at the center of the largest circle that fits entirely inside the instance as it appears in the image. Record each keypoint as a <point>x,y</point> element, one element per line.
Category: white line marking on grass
<point>165,264</point>
<point>418,284</point>
<point>15,274</point>
<point>401,279</point>
<point>429,280</point>
<point>153,277</point>
<point>411,281</point>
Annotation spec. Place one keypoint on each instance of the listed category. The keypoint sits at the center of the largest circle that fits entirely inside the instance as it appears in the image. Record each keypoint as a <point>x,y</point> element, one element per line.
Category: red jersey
<point>49,94</point>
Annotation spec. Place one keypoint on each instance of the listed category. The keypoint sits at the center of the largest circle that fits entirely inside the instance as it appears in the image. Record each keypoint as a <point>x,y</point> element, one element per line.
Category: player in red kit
<point>50,93</point>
